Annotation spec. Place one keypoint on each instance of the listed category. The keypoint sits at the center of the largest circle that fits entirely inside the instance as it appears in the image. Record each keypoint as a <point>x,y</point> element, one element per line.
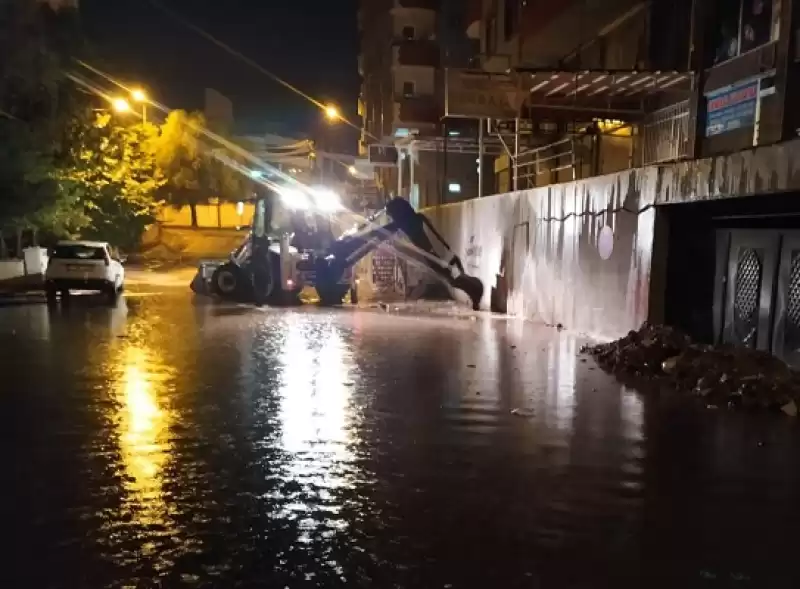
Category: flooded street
<point>168,443</point>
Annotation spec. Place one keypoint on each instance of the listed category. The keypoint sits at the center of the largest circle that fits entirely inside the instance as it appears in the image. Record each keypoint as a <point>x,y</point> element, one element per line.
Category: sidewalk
<point>22,290</point>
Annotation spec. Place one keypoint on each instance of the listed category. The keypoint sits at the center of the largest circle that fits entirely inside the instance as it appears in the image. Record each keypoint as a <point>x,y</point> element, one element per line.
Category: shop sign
<point>731,108</point>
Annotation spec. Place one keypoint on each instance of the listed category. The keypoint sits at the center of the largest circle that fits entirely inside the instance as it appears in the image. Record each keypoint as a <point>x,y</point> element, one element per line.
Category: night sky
<point>313,44</point>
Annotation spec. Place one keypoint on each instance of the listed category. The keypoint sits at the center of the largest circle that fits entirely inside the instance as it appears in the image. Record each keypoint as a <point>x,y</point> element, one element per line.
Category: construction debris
<point>722,376</point>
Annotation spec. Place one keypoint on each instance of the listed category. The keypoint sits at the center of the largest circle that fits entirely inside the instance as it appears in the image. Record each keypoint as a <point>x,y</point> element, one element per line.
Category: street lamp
<point>121,105</point>
<point>332,113</point>
<point>140,96</point>
<point>353,171</point>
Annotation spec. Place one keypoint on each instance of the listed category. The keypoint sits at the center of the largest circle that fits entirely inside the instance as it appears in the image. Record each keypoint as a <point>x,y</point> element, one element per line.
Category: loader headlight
<point>326,200</point>
<point>295,199</point>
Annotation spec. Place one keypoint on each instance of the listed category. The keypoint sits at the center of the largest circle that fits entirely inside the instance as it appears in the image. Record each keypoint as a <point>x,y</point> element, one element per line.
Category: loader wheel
<point>229,282</point>
<point>332,295</point>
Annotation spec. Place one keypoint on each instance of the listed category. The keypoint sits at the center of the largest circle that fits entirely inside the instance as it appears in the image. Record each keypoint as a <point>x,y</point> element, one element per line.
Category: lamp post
<point>332,115</point>
<point>140,97</point>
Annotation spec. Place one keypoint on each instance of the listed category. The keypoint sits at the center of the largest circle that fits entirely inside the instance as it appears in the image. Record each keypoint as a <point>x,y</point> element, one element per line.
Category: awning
<point>620,91</point>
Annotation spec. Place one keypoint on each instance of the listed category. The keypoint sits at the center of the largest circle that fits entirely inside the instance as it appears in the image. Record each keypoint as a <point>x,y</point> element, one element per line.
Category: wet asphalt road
<point>167,443</point>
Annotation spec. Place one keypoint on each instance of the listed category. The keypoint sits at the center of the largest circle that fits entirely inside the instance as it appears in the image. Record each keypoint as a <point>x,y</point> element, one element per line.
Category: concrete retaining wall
<point>577,253</point>
<point>10,269</point>
<point>223,215</point>
<point>580,253</point>
<point>179,244</point>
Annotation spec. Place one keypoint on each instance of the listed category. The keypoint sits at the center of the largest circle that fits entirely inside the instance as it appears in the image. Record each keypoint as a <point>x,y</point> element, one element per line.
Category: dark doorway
<point>733,272</point>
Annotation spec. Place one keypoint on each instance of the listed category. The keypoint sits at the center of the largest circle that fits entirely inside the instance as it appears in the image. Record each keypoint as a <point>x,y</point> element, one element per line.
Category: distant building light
<point>402,133</point>
<point>454,187</point>
<point>256,174</point>
<point>454,133</point>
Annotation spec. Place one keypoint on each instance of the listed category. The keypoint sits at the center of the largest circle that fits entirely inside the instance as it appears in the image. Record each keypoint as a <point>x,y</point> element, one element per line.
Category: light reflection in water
<point>561,381</point>
<point>143,423</point>
<point>315,394</point>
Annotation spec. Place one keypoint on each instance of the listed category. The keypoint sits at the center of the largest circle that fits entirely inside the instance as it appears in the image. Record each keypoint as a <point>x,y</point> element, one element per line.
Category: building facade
<point>405,46</point>
<point>732,50</point>
<point>653,177</point>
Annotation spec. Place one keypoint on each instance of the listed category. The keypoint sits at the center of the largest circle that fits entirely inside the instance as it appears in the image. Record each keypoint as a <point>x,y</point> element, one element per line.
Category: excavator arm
<point>350,248</point>
<point>251,271</point>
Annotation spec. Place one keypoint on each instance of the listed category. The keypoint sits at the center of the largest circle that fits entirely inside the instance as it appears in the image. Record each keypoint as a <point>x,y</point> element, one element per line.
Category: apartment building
<point>405,46</point>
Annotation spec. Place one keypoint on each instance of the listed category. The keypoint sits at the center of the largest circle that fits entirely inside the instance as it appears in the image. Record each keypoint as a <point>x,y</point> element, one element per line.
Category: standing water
<point>166,443</point>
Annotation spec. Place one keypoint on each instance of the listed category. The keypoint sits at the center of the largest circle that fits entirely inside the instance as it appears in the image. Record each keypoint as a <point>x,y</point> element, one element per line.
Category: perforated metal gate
<point>786,336</point>
<point>746,295</point>
<point>760,291</point>
<point>793,302</point>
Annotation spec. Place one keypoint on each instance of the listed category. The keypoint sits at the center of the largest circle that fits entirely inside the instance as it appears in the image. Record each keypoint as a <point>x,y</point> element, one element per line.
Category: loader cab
<point>276,216</point>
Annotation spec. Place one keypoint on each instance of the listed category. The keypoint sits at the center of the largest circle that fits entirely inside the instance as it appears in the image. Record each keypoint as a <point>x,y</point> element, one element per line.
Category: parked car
<point>84,265</point>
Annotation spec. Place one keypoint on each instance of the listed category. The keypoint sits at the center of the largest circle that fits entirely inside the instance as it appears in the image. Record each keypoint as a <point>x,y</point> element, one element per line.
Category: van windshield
<point>78,252</point>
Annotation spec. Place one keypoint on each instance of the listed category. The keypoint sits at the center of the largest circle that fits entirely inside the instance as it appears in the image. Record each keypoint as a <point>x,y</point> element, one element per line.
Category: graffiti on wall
<point>472,257</point>
<point>388,272</point>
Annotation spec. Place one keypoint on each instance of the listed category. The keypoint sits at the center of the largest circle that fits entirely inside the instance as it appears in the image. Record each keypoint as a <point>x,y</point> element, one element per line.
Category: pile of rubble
<point>721,376</point>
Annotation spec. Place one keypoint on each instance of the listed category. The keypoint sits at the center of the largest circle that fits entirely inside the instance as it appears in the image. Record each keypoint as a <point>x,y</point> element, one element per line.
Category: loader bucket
<point>201,282</point>
<point>472,286</point>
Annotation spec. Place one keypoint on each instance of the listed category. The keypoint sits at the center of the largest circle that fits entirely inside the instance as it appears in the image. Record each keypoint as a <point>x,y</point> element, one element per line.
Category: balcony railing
<point>421,53</point>
<point>665,135</point>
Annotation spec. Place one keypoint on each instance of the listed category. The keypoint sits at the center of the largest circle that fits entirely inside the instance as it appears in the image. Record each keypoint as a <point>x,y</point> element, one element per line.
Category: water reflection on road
<point>161,443</point>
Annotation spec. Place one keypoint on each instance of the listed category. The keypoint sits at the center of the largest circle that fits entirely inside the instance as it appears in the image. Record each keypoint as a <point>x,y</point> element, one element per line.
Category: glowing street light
<point>121,105</point>
<point>332,113</point>
<point>353,171</point>
<point>140,96</point>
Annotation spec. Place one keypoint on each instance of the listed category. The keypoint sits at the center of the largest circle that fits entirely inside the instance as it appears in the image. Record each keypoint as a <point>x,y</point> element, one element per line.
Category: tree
<point>28,99</point>
<point>195,171</point>
<point>178,156</point>
<point>35,103</point>
<point>111,176</point>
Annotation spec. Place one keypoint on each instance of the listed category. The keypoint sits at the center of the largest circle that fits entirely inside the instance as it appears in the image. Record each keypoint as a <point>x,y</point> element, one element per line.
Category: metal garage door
<point>758,281</point>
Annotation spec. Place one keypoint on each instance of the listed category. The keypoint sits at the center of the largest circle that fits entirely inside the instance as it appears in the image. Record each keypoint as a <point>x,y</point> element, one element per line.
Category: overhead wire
<point>199,128</point>
<point>171,13</point>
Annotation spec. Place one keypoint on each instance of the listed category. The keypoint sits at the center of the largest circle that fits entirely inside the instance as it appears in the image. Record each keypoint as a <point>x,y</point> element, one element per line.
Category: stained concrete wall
<point>545,244</point>
<point>581,253</point>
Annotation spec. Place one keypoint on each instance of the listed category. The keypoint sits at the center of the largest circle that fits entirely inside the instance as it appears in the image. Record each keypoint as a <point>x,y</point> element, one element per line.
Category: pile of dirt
<point>722,376</point>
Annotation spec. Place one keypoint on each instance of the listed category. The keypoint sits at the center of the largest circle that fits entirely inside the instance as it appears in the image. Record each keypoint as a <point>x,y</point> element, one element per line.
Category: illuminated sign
<point>731,108</point>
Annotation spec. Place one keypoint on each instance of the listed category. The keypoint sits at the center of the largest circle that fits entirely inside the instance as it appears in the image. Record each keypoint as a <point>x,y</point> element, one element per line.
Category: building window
<point>408,89</point>
<point>739,26</point>
<point>409,33</point>
<point>510,18</point>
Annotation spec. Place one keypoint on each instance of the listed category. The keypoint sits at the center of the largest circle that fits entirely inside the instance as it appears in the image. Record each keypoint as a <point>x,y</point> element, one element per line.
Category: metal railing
<point>547,159</point>
<point>665,135</point>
